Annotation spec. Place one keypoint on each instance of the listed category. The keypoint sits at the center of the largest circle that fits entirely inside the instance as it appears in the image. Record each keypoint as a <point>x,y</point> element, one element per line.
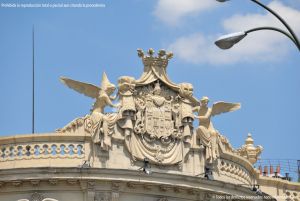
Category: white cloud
<point>197,48</point>
<point>261,45</point>
<point>172,11</point>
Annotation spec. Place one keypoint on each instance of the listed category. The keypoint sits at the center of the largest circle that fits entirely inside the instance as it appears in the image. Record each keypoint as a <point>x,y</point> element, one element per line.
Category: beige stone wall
<point>53,166</point>
<point>282,189</point>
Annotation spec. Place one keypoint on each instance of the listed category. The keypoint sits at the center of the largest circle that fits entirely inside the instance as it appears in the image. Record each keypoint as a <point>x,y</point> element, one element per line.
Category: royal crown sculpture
<point>154,117</point>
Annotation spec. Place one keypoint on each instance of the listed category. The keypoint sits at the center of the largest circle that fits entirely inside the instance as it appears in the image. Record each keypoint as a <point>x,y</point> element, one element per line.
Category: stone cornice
<point>43,137</point>
<point>132,178</point>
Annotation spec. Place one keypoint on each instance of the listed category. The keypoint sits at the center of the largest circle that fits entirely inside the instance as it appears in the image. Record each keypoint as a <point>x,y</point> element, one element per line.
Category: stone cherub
<point>206,132</point>
<point>103,96</point>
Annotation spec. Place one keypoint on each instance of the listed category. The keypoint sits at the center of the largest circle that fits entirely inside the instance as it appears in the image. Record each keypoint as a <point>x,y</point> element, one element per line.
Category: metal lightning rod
<point>33,79</point>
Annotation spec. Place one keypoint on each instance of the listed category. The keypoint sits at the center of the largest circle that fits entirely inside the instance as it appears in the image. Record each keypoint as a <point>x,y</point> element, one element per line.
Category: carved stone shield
<point>158,117</point>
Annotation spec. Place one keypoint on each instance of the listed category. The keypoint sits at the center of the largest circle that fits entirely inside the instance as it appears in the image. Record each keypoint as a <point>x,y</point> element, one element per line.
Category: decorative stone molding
<point>234,170</point>
<point>16,183</point>
<point>94,185</point>
<point>148,186</point>
<point>53,181</point>
<point>292,195</point>
<point>90,184</point>
<point>115,196</point>
<point>162,199</point>
<point>102,196</point>
<point>285,190</point>
<point>115,186</point>
<point>163,188</point>
<point>72,181</point>
<point>191,191</point>
<point>74,125</point>
<point>178,190</point>
<point>132,185</point>
<point>1,184</point>
<point>37,197</point>
<point>35,182</point>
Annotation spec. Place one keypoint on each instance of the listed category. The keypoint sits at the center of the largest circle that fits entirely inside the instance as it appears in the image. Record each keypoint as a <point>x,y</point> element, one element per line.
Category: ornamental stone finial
<point>249,151</point>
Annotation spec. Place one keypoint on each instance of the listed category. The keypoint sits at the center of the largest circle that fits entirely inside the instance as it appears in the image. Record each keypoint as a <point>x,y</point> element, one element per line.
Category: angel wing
<point>222,107</point>
<point>81,87</point>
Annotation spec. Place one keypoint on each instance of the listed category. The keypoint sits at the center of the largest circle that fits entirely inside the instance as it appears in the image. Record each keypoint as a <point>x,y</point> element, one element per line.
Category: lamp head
<point>208,174</point>
<point>147,167</point>
<point>227,41</point>
<point>222,0</point>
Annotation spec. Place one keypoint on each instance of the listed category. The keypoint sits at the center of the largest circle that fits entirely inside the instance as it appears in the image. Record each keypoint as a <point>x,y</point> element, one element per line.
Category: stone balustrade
<point>235,171</point>
<point>41,150</point>
<point>38,150</point>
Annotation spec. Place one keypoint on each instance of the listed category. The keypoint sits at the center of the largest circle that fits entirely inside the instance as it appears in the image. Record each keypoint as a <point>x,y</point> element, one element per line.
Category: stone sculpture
<point>249,151</point>
<point>97,122</point>
<point>127,110</point>
<point>154,116</point>
<point>206,132</point>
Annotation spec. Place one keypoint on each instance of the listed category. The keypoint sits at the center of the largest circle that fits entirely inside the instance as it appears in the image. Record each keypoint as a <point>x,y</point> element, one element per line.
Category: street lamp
<point>227,41</point>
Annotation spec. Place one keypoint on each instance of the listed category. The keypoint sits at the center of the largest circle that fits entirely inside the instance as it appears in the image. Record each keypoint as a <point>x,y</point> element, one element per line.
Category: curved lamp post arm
<point>229,40</point>
<point>291,34</point>
<point>274,29</point>
<point>296,41</point>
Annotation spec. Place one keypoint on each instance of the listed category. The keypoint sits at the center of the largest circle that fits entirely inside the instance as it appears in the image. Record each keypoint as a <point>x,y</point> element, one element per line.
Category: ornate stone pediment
<point>154,116</point>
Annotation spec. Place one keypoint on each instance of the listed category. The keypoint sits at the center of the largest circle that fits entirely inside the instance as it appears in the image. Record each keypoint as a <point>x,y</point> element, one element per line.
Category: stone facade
<point>148,149</point>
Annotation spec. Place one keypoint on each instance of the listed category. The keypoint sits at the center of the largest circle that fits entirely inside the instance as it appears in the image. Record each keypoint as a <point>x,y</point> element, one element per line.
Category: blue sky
<point>262,71</point>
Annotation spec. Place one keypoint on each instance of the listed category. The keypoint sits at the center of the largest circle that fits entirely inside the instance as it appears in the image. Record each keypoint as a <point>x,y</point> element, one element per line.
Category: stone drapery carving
<point>206,132</point>
<point>155,137</point>
<point>162,128</point>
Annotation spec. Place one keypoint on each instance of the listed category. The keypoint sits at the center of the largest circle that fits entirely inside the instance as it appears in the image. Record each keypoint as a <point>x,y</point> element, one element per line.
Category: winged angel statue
<point>103,95</point>
<point>206,132</point>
